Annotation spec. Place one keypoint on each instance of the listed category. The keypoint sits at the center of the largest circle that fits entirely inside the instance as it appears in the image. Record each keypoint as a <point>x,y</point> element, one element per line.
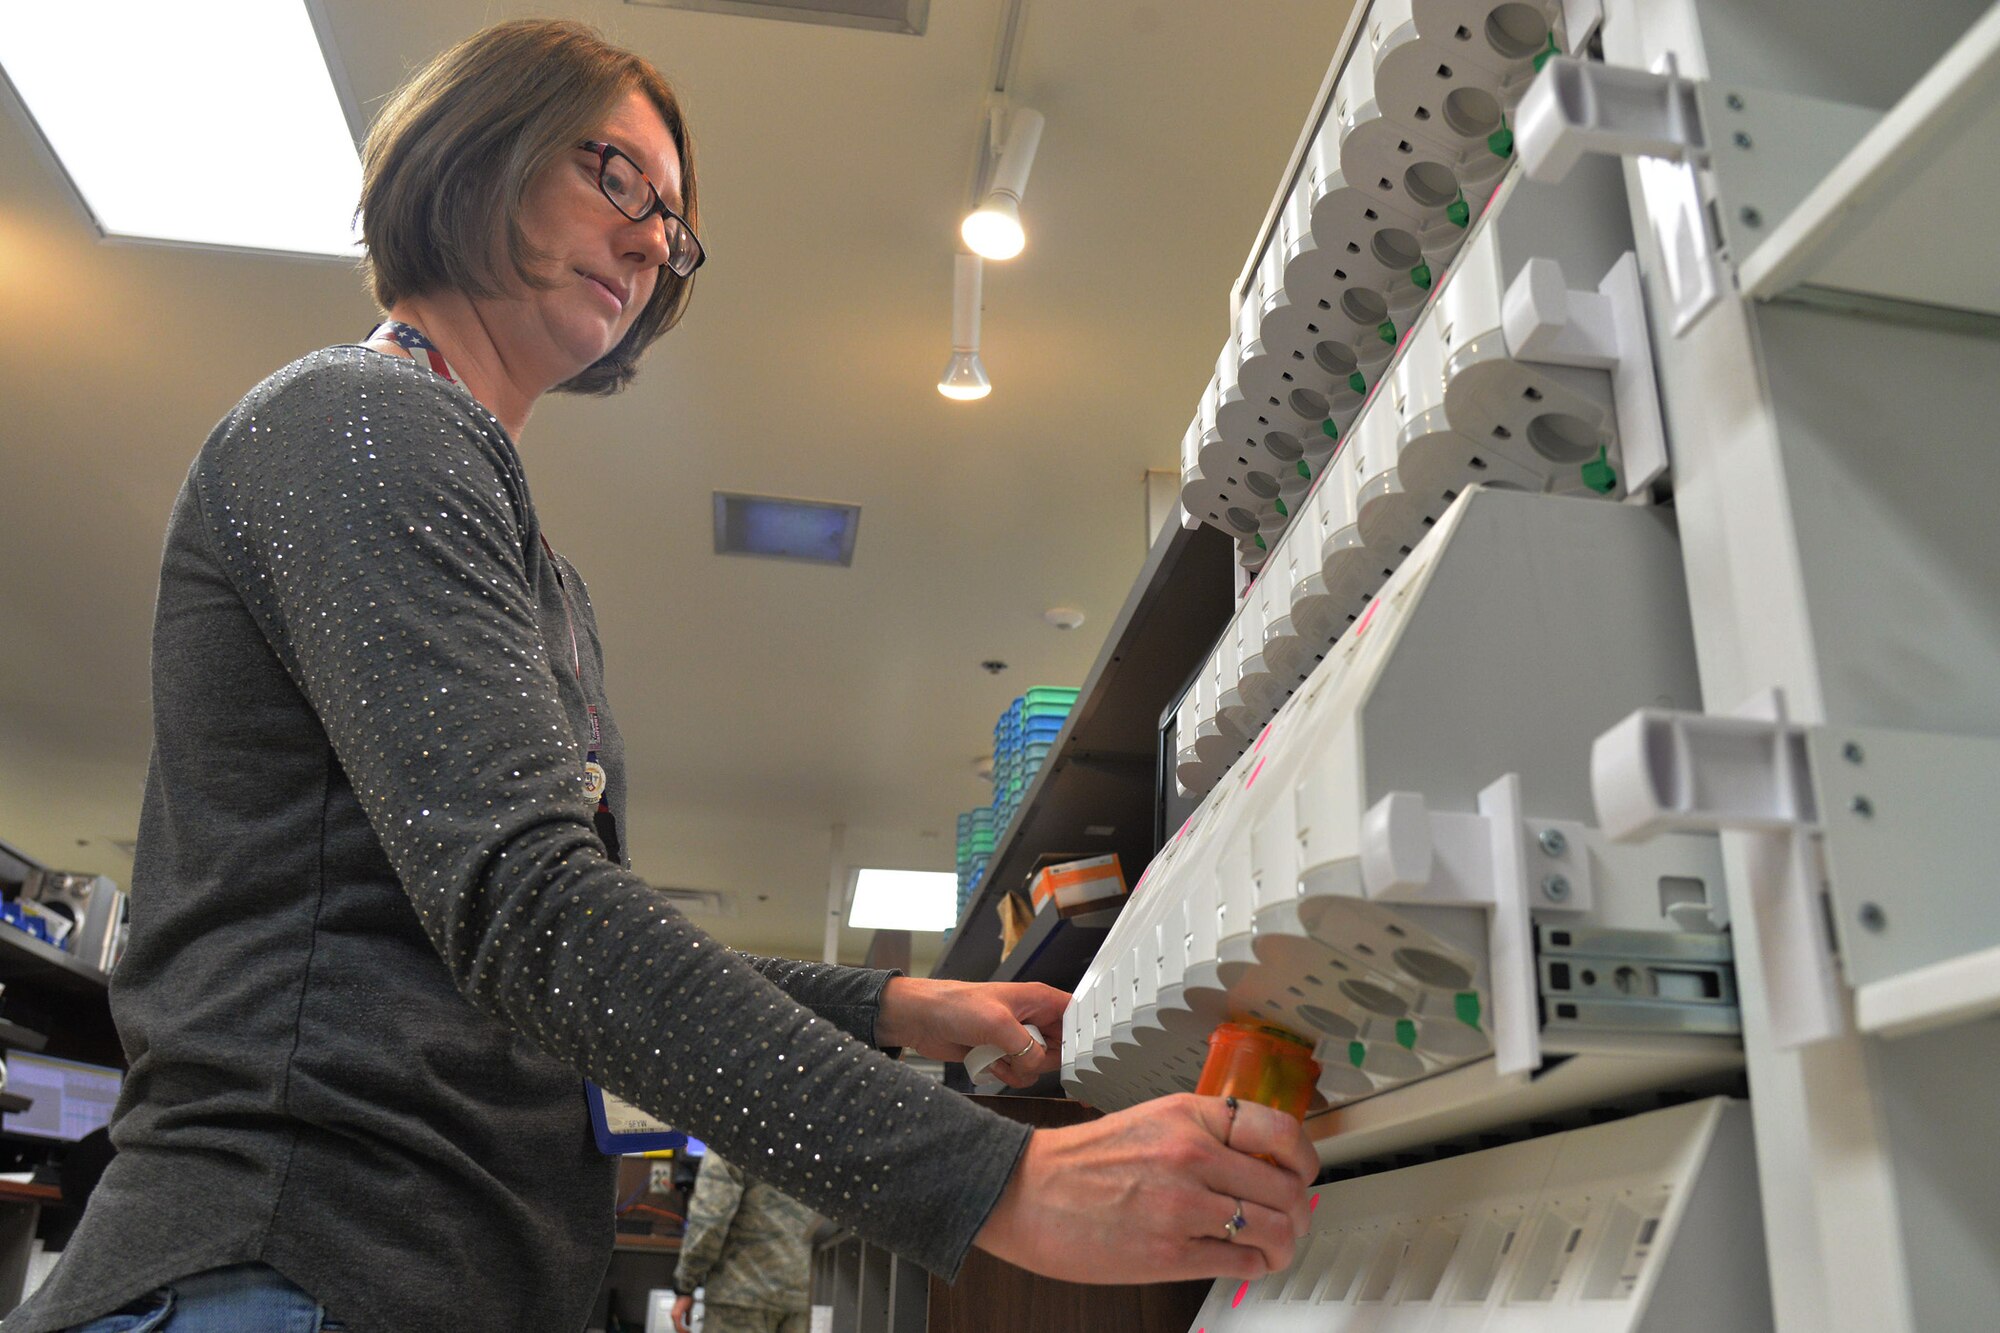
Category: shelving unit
<point>1931,164</point>
<point>1056,946</point>
<point>25,958</point>
<point>14,1037</point>
<point>54,1002</point>
<point>1104,766</point>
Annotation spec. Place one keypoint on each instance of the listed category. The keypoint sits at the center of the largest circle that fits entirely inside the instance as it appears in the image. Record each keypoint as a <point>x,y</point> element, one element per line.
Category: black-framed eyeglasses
<point>633,195</point>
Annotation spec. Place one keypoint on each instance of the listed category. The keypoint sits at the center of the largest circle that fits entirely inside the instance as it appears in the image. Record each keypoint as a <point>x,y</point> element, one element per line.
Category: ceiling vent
<point>816,531</point>
<point>904,16</point>
<point>698,902</point>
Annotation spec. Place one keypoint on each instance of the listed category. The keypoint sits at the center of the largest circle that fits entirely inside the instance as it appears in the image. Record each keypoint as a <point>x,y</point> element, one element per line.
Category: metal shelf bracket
<point>1411,855</point>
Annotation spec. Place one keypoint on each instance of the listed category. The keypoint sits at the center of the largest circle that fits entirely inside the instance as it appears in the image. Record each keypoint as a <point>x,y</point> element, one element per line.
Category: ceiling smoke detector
<point>1063,617</point>
<point>904,16</point>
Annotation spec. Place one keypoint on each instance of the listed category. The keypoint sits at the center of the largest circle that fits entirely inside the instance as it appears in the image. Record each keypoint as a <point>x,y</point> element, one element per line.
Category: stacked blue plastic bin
<point>1022,739</point>
<point>975,849</point>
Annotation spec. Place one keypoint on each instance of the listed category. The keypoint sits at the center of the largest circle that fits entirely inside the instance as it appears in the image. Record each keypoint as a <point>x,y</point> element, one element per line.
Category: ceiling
<point>764,703</point>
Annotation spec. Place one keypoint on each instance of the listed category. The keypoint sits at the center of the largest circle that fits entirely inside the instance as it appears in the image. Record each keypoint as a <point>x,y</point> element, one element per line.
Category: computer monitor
<point>71,1099</point>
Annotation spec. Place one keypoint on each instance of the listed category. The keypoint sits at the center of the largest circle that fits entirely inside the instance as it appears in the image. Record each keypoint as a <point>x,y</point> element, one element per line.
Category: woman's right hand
<point>1144,1195</point>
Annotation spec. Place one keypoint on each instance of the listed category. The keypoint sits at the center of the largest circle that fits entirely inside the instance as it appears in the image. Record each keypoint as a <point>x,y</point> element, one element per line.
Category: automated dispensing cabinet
<point>1610,722</point>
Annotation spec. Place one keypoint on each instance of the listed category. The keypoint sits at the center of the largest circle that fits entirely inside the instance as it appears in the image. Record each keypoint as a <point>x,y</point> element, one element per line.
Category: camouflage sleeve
<point>718,1189</point>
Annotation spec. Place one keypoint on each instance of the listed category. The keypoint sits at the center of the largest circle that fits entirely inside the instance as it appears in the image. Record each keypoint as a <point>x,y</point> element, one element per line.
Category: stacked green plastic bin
<point>1023,737</point>
<point>975,849</point>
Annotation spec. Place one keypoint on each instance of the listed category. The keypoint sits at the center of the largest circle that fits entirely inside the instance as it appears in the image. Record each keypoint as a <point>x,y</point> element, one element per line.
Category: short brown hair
<point>457,146</point>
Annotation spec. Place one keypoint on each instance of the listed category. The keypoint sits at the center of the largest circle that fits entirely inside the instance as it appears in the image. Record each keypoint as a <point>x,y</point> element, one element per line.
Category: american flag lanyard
<point>596,784</point>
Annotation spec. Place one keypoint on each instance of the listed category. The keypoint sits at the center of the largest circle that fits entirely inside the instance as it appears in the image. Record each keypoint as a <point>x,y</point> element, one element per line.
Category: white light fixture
<point>206,122</point>
<point>964,377</point>
<point>994,228</point>
<point>904,900</point>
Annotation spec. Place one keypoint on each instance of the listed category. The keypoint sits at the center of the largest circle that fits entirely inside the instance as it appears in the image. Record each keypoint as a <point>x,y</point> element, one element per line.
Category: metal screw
<point>1742,139</point>
<point>1851,752</point>
<point>1873,917</point>
<point>1862,806</point>
<point>1734,102</point>
<point>1556,888</point>
<point>1553,842</point>
<point>1751,217</point>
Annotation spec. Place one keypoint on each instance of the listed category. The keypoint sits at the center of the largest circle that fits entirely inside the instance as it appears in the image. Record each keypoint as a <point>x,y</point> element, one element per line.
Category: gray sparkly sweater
<point>376,943</point>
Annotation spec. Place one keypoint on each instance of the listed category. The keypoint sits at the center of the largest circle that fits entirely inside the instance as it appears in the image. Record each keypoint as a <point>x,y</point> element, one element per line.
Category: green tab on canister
<point>1599,475</point>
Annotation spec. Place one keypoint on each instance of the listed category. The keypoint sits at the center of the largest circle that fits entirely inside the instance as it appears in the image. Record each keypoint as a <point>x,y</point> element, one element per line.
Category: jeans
<point>245,1298</point>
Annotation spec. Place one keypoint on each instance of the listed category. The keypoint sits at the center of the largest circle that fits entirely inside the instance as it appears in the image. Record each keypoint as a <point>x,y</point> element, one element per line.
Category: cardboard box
<point>1015,918</point>
<point>1079,886</point>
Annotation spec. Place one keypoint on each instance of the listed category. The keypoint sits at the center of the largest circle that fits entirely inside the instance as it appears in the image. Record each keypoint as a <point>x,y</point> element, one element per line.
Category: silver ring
<point>1023,1051</point>
<point>1235,1224</point>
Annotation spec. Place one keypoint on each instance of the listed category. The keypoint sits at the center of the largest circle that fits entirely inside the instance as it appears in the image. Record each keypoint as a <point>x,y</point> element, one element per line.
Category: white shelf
<point>1474,1098</point>
<point>1906,215</point>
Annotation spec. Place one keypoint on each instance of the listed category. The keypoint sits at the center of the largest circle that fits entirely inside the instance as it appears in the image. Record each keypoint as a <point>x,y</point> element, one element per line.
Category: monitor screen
<point>71,1099</point>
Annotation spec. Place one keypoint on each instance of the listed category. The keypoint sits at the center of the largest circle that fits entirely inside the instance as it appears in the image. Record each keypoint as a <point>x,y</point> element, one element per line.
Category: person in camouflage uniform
<point>749,1245</point>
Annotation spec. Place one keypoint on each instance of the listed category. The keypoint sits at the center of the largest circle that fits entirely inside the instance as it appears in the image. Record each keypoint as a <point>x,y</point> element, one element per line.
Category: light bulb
<point>964,378</point>
<point>994,231</point>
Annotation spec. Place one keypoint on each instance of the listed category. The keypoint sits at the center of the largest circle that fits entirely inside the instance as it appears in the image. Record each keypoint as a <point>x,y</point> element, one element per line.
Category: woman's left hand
<point>944,1020</point>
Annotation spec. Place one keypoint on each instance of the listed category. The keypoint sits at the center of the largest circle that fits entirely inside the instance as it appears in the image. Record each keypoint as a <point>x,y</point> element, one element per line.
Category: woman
<point>381,926</point>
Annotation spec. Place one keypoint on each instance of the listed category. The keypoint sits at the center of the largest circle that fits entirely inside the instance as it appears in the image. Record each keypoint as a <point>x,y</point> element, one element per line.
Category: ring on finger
<point>1229,1105</point>
<point>1023,1051</point>
<point>1236,1223</point>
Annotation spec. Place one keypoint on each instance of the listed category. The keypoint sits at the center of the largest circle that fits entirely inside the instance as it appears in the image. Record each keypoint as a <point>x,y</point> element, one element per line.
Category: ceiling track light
<point>993,230</point>
<point>964,377</point>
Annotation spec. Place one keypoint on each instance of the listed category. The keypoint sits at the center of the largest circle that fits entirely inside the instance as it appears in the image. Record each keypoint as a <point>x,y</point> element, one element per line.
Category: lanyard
<point>412,339</point>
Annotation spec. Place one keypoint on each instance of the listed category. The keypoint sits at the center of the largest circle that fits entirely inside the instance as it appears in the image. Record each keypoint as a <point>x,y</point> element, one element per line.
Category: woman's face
<point>604,265</point>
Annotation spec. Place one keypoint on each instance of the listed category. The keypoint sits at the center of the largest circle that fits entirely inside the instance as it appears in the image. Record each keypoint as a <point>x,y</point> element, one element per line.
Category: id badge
<point>622,1128</point>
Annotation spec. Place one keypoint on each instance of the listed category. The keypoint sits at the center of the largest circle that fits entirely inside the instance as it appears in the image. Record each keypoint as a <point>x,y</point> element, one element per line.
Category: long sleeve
<point>718,1189</point>
<point>847,997</point>
<point>389,553</point>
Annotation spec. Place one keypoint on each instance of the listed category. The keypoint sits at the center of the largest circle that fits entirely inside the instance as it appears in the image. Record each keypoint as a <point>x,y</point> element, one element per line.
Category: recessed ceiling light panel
<point>767,525</point>
<point>904,900</point>
<point>904,16</point>
<point>206,122</point>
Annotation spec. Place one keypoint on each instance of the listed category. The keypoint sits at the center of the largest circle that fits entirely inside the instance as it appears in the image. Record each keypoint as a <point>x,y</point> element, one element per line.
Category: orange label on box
<point>1077,883</point>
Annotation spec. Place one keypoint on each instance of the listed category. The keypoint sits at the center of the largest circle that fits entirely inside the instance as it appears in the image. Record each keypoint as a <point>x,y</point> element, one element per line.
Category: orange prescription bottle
<point>1255,1063</point>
